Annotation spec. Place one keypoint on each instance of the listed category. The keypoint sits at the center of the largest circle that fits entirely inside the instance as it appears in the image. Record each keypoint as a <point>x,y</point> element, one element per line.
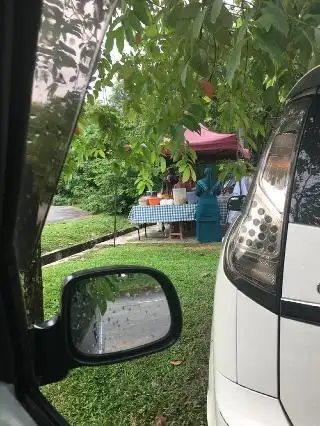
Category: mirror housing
<point>236,203</point>
<point>99,289</point>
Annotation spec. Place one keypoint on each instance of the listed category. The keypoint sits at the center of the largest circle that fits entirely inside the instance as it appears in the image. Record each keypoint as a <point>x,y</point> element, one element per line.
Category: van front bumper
<point>229,404</point>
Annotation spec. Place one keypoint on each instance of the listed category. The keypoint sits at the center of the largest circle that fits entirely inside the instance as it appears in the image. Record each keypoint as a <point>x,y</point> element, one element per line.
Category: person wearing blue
<point>207,211</point>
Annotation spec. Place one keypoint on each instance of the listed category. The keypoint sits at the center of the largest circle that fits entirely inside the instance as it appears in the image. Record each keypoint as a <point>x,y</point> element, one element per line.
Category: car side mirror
<point>236,203</point>
<point>119,313</point>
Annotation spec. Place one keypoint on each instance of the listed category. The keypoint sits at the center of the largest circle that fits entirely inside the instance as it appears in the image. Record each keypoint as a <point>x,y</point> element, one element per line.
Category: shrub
<point>93,188</point>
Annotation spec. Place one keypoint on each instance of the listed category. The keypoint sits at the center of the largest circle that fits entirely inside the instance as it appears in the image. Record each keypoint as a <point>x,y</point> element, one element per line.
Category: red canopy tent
<point>211,145</point>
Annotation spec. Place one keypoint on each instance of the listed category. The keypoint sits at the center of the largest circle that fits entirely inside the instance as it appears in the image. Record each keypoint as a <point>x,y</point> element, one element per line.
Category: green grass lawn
<point>136,392</point>
<point>65,234</point>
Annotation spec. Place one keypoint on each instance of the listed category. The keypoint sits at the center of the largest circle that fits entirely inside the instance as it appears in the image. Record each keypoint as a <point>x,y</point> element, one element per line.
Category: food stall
<point>179,214</point>
<point>211,146</point>
<point>179,208</point>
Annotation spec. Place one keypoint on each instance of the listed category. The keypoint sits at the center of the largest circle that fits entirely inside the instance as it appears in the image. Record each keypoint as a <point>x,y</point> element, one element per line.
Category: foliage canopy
<point>177,58</point>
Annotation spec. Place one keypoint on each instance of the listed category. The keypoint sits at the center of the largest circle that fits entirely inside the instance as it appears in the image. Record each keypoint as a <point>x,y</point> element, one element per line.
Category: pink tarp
<point>215,143</point>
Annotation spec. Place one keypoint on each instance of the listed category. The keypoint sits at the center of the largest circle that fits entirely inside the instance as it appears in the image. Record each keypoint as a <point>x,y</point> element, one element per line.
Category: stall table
<point>142,215</point>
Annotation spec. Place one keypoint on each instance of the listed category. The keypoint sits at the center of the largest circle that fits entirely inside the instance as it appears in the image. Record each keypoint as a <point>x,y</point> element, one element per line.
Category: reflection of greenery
<point>48,134</point>
<point>137,283</point>
<point>102,289</point>
<point>94,293</point>
<point>305,206</point>
<point>88,296</point>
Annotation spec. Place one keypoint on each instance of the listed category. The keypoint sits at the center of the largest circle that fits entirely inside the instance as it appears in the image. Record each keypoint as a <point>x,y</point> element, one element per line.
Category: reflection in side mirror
<point>236,203</point>
<point>120,311</point>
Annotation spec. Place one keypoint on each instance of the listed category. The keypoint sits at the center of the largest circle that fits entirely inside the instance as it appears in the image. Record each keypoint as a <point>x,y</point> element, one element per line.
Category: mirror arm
<point>52,361</point>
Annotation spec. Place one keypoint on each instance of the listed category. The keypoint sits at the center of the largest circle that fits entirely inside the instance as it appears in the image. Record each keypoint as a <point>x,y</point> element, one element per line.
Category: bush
<point>62,200</point>
<point>93,188</point>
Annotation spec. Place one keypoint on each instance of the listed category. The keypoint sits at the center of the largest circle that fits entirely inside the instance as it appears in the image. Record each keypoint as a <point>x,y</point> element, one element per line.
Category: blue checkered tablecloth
<point>169,214</point>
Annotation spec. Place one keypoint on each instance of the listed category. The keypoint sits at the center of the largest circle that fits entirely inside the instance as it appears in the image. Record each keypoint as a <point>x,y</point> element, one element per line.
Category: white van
<point>265,348</point>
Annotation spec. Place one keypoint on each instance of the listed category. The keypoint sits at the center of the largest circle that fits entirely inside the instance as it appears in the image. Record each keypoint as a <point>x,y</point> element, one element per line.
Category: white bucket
<point>179,196</point>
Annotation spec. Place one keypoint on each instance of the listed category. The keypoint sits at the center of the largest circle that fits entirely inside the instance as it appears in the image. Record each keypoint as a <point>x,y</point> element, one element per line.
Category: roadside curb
<point>54,256</point>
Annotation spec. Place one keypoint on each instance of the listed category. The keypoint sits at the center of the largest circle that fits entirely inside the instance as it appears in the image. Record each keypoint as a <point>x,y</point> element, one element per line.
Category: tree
<point>107,132</point>
<point>244,56</point>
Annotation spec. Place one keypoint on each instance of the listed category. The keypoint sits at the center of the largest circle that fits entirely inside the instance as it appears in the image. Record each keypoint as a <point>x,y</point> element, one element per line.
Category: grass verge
<point>64,234</point>
<point>136,392</point>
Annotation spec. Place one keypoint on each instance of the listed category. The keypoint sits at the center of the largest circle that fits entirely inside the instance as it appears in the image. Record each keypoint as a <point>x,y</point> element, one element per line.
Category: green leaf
<point>189,11</point>
<point>173,16</point>
<point>163,164</point>
<point>243,118</point>
<point>90,98</point>
<point>134,21</point>
<point>198,22</point>
<point>128,33</point>
<point>269,96</point>
<point>193,175</point>
<point>199,62</point>
<point>155,51</point>
<point>244,27</point>
<point>141,11</point>
<point>184,74</point>
<point>151,31</point>
<point>226,18</point>
<point>223,36</point>
<point>234,60</point>
<point>265,21</point>
<point>177,133</point>
<point>252,143</point>
<point>97,85</point>
<point>127,71</point>
<point>119,33</point>
<point>109,41</point>
<point>215,10</point>
<point>268,45</point>
<point>197,111</point>
<point>190,122</point>
<point>186,175</point>
<point>273,15</point>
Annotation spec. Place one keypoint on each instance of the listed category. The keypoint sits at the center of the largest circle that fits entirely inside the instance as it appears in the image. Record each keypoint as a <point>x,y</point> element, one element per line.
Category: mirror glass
<point>236,203</point>
<point>116,312</point>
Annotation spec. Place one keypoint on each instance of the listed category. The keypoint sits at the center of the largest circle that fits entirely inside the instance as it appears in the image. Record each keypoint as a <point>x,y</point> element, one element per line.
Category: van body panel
<point>257,346</point>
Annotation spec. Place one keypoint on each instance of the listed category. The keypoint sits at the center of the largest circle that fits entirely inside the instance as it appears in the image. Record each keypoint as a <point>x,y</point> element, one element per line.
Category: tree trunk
<point>115,208</point>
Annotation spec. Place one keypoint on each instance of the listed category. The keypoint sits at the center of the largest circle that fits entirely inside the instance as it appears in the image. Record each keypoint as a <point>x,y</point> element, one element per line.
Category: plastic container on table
<point>179,196</point>
<point>154,201</point>
<point>143,201</point>
<point>192,198</point>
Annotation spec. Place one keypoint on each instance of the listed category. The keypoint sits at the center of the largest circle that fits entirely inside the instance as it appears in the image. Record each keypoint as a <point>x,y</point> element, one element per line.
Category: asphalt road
<point>128,323</point>
<point>64,213</point>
